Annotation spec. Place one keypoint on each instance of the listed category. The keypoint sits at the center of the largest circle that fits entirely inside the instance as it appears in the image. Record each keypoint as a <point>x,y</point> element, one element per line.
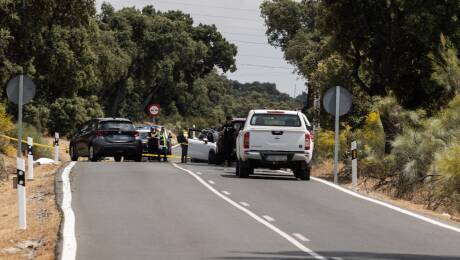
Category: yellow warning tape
<point>25,142</point>
<point>156,155</point>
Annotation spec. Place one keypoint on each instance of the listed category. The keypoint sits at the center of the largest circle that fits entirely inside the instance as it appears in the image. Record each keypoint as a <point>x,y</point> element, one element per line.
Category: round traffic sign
<point>28,91</point>
<point>344,102</point>
<point>154,109</point>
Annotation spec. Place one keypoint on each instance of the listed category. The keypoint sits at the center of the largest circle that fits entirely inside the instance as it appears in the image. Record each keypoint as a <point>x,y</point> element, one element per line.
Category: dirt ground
<point>324,171</point>
<point>39,240</point>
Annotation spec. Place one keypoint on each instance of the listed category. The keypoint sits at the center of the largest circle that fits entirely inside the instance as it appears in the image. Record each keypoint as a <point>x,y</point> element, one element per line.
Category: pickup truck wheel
<point>244,169</point>
<point>303,172</point>
<point>73,153</point>
<point>117,158</point>
<point>92,156</point>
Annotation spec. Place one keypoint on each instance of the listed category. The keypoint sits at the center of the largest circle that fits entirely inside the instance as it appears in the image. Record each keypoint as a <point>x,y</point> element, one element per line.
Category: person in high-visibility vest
<point>163,136</point>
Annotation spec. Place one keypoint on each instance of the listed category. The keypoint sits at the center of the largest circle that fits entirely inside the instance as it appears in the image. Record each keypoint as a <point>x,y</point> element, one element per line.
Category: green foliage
<point>447,164</point>
<point>67,114</point>
<point>446,65</point>
<point>5,120</point>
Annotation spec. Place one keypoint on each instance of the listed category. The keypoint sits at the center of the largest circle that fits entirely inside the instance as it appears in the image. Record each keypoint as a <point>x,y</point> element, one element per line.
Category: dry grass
<point>43,217</point>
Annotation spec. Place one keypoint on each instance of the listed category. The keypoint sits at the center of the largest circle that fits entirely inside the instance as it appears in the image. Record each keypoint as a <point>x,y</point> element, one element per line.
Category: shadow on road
<point>258,176</point>
<point>332,254</point>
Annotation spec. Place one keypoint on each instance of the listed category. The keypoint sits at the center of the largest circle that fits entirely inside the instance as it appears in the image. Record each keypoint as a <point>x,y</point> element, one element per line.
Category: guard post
<point>354,165</point>
<point>56,147</point>
<point>30,158</point>
<point>21,185</point>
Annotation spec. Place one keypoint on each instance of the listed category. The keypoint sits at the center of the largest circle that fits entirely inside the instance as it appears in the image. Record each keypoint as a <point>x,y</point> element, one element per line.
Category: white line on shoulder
<point>262,221</point>
<point>387,205</point>
<point>244,203</point>
<point>69,244</point>
<point>211,182</point>
<point>268,218</point>
<point>199,173</point>
<point>226,192</point>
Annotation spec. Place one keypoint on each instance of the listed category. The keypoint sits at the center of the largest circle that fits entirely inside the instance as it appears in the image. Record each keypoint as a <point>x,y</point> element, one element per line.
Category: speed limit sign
<point>154,110</point>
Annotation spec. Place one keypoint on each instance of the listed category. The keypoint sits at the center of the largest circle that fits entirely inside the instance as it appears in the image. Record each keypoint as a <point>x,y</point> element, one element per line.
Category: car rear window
<point>275,120</point>
<point>119,125</point>
<point>144,135</point>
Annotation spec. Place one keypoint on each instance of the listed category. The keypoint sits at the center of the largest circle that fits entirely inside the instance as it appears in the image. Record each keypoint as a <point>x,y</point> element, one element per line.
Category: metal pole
<point>56,147</point>
<point>21,91</point>
<point>337,141</point>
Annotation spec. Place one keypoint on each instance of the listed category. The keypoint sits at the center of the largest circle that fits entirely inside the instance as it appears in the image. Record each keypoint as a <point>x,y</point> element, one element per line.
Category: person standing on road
<point>153,143</point>
<point>163,136</point>
<point>229,140</point>
<point>183,141</point>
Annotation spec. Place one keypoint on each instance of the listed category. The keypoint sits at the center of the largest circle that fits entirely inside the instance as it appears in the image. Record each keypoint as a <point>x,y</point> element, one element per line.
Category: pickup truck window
<point>275,120</point>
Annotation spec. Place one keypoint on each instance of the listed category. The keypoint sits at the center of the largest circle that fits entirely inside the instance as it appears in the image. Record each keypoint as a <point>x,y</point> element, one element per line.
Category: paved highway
<point>159,211</point>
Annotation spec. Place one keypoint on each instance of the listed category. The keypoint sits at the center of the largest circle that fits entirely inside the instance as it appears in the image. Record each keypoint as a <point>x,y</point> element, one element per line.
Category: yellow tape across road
<point>24,141</point>
<point>156,155</point>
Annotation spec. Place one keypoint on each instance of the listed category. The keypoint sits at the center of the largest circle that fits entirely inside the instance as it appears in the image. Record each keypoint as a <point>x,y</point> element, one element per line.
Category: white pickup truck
<point>275,139</point>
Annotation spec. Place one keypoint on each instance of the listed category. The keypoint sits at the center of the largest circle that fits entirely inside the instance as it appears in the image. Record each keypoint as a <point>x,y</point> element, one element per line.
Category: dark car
<point>237,125</point>
<point>106,137</point>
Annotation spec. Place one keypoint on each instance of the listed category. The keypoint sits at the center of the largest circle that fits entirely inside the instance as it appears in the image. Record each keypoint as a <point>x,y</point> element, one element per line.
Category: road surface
<point>155,210</point>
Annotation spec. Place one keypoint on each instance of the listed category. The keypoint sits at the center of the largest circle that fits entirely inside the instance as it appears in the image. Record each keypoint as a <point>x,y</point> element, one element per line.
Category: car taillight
<point>308,138</point>
<point>246,140</point>
<point>135,133</point>
<point>100,133</point>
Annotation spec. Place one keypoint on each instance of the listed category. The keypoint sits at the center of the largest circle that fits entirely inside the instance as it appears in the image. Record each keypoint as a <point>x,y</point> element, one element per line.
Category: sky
<point>240,23</point>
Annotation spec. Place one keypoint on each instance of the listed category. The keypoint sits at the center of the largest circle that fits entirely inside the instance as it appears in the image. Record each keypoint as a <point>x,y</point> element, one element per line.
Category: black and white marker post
<point>354,165</point>
<point>20,90</point>
<point>30,158</point>
<point>56,147</point>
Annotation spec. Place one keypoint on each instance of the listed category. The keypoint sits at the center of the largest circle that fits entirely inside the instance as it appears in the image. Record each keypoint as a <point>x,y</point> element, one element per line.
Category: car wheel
<point>212,157</point>
<point>237,168</point>
<point>117,158</point>
<point>138,158</point>
<point>244,169</point>
<point>302,172</point>
<point>73,153</point>
<point>92,156</point>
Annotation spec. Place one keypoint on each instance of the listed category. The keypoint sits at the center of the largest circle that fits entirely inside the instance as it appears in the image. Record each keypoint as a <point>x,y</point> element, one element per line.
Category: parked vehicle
<point>237,124</point>
<point>203,147</point>
<point>144,132</point>
<point>275,139</point>
<point>106,137</point>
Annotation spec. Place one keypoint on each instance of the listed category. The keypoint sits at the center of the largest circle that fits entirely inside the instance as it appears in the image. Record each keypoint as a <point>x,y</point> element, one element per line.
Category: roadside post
<point>30,159</point>
<point>20,90</point>
<point>337,102</point>
<point>56,147</point>
<point>354,165</point>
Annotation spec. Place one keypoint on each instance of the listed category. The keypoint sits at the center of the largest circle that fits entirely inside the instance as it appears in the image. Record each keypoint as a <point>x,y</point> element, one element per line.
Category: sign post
<point>30,159</point>
<point>56,147</point>
<point>337,102</point>
<point>20,90</point>
<point>354,165</point>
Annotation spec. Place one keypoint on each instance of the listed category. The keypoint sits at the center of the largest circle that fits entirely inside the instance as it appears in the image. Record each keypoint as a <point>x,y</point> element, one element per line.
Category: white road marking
<point>199,173</point>
<point>211,182</point>
<point>262,221</point>
<point>268,218</point>
<point>69,244</point>
<point>244,203</point>
<point>301,237</point>
<point>387,205</point>
<point>336,258</point>
<point>226,192</point>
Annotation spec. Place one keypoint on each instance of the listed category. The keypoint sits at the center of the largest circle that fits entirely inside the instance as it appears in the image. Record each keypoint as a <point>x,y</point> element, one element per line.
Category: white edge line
<point>226,192</point>
<point>199,173</point>
<point>268,218</point>
<point>244,203</point>
<point>283,234</point>
<point>301,237</point>
<point>211,182</point>
<point>387,205</point>
<point>69,244</point>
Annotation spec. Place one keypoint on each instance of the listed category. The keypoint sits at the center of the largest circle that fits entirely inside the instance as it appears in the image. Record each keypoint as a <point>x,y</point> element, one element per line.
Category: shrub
<point>66,114</point>
<point>31,131</point>
<point>5,120</point>
<point>447,165</point>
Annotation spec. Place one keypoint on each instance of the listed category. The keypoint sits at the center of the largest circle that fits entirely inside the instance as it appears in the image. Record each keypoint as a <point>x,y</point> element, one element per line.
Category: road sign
<point>12,89</point>
<point>330,98</point>
<point>153,110</point>
<point>337,101</point>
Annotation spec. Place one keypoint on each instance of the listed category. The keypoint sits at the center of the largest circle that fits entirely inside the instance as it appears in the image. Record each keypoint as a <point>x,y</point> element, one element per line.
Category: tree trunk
<point>391,130</point>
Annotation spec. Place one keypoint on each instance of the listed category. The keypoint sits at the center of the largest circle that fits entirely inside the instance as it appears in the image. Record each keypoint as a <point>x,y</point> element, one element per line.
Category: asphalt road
<point>157,211</point>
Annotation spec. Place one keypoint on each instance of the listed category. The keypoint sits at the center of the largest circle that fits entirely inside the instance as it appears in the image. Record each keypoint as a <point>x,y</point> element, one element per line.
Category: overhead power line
<point>225,17</point>
<point>261,57</point>
<point>249,42</point>
<point>264,66</point>
<point>208,6</point>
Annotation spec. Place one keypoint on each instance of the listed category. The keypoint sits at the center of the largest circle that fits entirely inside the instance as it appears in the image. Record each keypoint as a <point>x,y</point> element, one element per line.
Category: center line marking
<point>211,182</point>
<point>301,237</point>
<point>199,173</point>
<point>244,203</point>
<point>268,218</point>
<point>226,192</point>
<point>262,221</point>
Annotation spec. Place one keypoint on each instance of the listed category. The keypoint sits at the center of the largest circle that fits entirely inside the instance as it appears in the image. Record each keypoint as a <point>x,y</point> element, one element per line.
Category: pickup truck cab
<point>275,139</point>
